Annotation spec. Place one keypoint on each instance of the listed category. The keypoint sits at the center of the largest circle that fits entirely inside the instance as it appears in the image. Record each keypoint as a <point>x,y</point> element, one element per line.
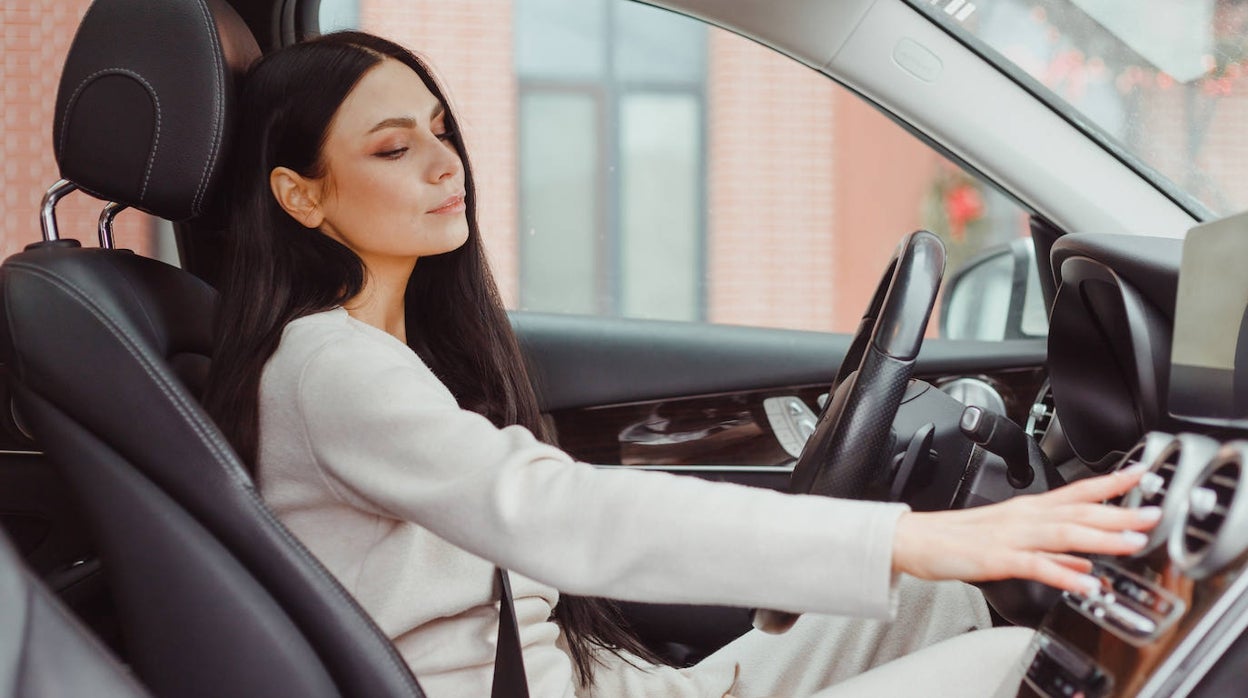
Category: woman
<point>367,371</point>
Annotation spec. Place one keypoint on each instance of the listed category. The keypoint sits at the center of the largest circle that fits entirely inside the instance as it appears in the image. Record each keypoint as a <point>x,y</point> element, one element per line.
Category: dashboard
<point>1168,620</point>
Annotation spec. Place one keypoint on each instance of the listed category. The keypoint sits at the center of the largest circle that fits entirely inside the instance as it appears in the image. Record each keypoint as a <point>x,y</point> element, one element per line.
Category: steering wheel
<point>845,455</point>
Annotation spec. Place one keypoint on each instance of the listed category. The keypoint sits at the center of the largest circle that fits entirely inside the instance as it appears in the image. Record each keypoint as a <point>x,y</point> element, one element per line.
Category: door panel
<point>690,398</point>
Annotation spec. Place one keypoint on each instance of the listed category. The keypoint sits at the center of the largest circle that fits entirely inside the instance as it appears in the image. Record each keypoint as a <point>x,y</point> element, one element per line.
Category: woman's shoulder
<point>332,340</point>
<point>330,356</point>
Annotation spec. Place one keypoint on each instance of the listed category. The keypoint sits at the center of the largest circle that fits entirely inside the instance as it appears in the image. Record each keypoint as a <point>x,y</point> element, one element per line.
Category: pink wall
<point>883,174</point>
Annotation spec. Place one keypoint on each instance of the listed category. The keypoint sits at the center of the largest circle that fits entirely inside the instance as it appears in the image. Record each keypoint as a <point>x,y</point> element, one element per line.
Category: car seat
<point>44,651</point>
<point>108,351</point>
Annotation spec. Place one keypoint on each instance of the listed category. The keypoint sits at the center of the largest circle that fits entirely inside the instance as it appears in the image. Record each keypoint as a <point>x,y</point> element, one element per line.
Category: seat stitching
<point>231,466</point>
<point>73,99</point>
<point>131,345</point>
<point>134,294</point>
<point>218,99</point>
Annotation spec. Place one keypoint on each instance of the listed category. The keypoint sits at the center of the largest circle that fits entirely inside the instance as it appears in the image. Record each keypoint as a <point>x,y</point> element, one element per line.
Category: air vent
<point>1207,507</point>
<point>1157,481</point>
<point>1146,452</point>
<point>1040,418</point>
<point>1213,531</point>
<point>1169,481</point>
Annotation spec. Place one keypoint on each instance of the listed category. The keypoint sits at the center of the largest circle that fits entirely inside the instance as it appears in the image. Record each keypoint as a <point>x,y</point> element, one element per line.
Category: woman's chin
<point>460,236</point>
<point>453,240</point>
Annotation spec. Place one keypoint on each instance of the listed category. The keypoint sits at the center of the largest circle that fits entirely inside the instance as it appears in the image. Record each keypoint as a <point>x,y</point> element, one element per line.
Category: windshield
<point>1163,82</point>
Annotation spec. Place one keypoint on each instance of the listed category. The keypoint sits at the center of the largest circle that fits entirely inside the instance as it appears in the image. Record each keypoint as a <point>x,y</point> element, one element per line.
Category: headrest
<point>143,112</point>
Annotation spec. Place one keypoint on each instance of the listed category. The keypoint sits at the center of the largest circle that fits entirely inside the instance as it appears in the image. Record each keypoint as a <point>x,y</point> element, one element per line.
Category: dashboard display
<point>1209,354</point>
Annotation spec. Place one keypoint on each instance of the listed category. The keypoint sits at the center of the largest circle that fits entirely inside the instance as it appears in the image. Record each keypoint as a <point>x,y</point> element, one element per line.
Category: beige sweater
<point>410,501</point>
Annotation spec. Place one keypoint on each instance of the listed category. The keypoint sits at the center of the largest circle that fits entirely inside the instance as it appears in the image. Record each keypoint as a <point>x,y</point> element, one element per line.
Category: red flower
<point>963,205</point>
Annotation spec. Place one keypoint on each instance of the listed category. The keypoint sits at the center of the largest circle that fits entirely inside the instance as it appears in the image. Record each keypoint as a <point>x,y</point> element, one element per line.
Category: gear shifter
<point>998,435</point>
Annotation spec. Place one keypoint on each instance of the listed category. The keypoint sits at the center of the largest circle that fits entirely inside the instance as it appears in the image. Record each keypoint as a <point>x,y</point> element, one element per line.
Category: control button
<point>1130,620</point>
<point>1126,605</point>
<point>1151,484</point>
<point>1203,501</point>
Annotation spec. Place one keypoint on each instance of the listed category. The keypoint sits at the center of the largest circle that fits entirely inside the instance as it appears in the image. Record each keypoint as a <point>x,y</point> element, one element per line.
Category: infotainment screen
<point>1209,354</point>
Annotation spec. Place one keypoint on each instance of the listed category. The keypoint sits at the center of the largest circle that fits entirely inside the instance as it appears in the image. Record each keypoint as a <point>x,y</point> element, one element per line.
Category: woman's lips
<point>454,204</point>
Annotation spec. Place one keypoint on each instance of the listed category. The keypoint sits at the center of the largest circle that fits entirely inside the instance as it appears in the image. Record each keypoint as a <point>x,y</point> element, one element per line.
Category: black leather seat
<point>108,350</point>
<point>40,640</point>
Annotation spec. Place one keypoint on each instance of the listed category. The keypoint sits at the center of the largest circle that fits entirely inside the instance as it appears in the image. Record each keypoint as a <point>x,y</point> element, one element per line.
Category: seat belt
<point>509,678</point>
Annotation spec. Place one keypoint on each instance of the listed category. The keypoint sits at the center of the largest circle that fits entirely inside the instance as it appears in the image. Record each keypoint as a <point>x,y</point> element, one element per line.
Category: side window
<point>632,162</point>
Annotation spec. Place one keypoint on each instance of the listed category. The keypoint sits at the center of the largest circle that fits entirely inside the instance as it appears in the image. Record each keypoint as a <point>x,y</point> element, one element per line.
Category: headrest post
<point>47,213</point>
<point>111,209</point>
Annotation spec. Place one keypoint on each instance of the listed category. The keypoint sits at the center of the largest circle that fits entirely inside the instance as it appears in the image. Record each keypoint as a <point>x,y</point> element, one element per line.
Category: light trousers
<point>940,643</point>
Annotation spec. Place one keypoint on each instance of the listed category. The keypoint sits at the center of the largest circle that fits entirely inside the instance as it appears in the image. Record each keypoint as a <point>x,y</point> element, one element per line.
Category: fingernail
<point>1135,468</point>
<point>1091,585</point>
<point>1149,514</point>
<point>1135,539</point>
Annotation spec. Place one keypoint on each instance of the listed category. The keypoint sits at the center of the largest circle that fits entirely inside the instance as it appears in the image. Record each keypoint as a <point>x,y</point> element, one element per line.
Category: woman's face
<point>394,185</point>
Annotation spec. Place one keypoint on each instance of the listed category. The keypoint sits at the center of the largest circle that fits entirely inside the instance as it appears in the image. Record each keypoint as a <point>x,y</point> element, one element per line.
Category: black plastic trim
<point>1109,352</point>
<point>585,361</point>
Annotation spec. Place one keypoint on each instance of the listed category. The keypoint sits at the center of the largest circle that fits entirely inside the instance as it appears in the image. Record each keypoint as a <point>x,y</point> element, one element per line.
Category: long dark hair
<point>276,271</point>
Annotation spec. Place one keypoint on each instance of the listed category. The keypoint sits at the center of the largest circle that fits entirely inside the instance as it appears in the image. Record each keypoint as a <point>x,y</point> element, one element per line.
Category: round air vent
<point>1215,513</point>
<point>1168,481</point>
<point>1146,451</point>
<point>1040,418</point>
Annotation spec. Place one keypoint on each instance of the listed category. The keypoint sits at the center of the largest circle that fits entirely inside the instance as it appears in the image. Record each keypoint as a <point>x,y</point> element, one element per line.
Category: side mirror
<point>996,295</point>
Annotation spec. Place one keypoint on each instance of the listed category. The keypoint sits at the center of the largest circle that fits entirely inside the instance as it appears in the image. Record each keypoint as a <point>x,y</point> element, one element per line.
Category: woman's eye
<point>394,154</point>
<point>445,136</point>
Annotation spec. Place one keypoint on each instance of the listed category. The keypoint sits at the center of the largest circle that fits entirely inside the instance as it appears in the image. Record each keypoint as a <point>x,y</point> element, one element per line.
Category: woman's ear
<point>297,195</point>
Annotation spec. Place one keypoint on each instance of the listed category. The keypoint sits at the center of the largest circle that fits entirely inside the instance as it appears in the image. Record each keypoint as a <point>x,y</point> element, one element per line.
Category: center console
<point>1164,616</point>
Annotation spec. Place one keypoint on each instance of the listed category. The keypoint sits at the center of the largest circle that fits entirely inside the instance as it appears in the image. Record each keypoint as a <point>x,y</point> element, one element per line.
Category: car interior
<point>144,562</point>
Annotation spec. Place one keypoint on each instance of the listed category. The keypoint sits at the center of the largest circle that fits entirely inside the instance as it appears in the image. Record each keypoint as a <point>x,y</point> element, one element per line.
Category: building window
<point>612,139</point>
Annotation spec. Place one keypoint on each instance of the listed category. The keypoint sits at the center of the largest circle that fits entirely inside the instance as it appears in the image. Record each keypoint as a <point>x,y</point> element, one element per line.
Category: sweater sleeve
<point>389,438</point>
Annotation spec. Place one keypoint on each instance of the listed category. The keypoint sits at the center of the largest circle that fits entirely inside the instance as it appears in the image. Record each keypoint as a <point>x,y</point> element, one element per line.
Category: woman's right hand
<point>1026,537</point>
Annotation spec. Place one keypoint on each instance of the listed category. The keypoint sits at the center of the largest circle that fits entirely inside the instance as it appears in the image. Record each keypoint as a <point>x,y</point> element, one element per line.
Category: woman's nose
<point>446,162</point>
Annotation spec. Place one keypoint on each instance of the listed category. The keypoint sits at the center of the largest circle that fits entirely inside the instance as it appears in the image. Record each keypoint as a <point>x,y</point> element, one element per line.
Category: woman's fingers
<point>1082,539</point>
<point>1044,569</point>
<point>1097,489</point>
<point>1111,518</point>
<point>1073,562</point>
<point>1028,537</point>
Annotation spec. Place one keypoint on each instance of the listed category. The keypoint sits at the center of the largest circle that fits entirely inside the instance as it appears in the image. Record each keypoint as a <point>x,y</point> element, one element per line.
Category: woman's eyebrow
<point>406,121</point>
<point>394,122</point>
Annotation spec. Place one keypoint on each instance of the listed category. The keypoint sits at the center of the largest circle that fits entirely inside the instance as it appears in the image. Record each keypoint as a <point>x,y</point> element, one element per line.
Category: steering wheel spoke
<point>846,456</point>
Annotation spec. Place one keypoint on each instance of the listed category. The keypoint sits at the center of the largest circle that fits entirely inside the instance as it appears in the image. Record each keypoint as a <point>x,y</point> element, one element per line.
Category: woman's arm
<point>389,438</point>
